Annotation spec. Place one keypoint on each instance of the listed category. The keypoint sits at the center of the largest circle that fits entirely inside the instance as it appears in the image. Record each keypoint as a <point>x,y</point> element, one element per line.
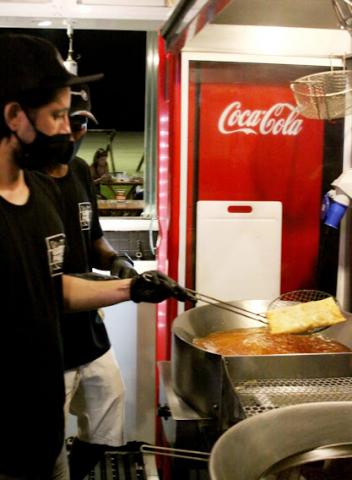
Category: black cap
<point>29,63</point>
<point>80,102</point>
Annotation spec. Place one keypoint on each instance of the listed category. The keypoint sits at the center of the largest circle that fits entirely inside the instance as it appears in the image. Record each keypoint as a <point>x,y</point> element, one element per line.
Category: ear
<point>13,115</point>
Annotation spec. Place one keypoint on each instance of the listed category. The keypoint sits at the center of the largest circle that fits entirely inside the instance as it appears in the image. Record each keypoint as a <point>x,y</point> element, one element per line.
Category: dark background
<point>118,99</point>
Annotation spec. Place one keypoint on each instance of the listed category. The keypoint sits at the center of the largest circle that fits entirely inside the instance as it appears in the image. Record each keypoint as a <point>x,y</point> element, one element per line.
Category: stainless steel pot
<point>284,438</point>
<point>211,384</point>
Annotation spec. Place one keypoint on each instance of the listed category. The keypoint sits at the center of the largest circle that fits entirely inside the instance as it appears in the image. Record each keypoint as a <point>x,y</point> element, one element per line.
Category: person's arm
<point>104,178</point>
<point>152,287</point>
<point>103,254</point>
<point>84,295</point>
<point>106,258</point>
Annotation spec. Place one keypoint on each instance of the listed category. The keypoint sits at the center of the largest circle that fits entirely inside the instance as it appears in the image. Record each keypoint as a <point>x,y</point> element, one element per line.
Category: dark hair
<point>100,153</point>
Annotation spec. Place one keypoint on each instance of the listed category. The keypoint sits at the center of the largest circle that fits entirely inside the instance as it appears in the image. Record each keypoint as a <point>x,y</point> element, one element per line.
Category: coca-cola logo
<point>280,119</point>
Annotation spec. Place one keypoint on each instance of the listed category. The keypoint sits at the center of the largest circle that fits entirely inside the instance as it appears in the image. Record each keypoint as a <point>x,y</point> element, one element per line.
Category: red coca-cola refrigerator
<point>231,137</point>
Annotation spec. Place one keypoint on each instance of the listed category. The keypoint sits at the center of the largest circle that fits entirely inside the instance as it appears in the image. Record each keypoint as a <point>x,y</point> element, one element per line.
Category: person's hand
<point>107,178</point>
<point>122,266</point>
<point>155,287</point>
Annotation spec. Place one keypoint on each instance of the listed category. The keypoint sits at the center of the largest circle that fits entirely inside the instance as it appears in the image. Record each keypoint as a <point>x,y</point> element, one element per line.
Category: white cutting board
<point>238,249</point>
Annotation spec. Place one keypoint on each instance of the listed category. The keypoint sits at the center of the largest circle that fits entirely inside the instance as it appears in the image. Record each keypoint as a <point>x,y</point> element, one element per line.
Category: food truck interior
<point>235,173</point>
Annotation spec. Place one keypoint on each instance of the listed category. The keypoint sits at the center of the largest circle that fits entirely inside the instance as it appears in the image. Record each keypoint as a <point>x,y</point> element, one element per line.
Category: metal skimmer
<point>286,299</point>
<point>258,317</point>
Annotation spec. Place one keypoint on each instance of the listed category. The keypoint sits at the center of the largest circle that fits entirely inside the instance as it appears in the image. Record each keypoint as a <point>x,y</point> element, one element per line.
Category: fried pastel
<point>304,317</point>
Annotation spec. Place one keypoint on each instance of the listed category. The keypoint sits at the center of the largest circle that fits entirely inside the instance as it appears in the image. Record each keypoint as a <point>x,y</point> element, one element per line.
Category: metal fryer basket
<point>233,387</point>
<point>324,95</point>
<point>259,396</point>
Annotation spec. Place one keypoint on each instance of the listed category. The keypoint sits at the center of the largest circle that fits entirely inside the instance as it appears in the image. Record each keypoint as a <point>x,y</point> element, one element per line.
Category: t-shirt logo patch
<point>56,250</point>
<point>85,215</point>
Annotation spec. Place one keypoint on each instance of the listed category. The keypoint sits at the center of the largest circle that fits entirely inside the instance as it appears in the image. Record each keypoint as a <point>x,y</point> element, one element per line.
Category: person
<point>34,101</point>
<point>95,391</point>
<point>100,171</point>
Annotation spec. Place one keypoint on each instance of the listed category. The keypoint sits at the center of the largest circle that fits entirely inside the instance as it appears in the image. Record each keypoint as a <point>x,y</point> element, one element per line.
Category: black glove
<point>155,287</point>
<point>122,266</point>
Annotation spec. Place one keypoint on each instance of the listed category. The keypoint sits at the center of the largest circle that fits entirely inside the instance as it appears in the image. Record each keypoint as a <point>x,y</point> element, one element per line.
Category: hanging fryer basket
<point>325,95</point>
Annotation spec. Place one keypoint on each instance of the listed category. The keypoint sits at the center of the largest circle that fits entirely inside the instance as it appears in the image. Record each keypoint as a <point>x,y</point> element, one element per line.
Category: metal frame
<point>188,18</point>
<point>150,126</point>
<point>85,14</point>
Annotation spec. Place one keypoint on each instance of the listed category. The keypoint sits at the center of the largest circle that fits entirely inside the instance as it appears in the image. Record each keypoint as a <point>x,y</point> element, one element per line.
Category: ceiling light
<point>44,23</point>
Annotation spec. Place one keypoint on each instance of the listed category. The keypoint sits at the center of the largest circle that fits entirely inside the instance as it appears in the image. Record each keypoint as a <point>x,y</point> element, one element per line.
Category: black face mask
<point>76,147</point>
<point>45,150</point>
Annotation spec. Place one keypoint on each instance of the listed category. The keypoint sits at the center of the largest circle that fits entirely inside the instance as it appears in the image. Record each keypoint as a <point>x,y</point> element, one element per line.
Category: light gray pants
<point>61,471</point>
<point>95,394</point>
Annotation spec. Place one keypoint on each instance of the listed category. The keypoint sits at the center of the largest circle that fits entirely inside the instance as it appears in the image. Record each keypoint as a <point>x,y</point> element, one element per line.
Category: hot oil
<point>331,469</point>
<point>259,341</point>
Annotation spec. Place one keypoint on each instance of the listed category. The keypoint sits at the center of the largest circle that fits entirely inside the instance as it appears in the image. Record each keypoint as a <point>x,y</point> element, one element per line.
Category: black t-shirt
<point>32,245</point>
<point>84,334</point>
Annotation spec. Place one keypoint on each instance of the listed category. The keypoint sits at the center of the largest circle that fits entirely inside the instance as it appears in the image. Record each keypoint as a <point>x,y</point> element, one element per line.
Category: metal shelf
<point>123,182</point>
<point>120,204</point>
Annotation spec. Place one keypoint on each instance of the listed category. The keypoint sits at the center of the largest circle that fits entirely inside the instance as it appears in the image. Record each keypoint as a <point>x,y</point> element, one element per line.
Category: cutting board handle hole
<point>239,209</point>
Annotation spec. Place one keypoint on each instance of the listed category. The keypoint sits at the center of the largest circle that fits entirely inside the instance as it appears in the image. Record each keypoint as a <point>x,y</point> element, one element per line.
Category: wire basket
<point>297,296</point>
<point>343,10</point>
<point>325,95</point>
